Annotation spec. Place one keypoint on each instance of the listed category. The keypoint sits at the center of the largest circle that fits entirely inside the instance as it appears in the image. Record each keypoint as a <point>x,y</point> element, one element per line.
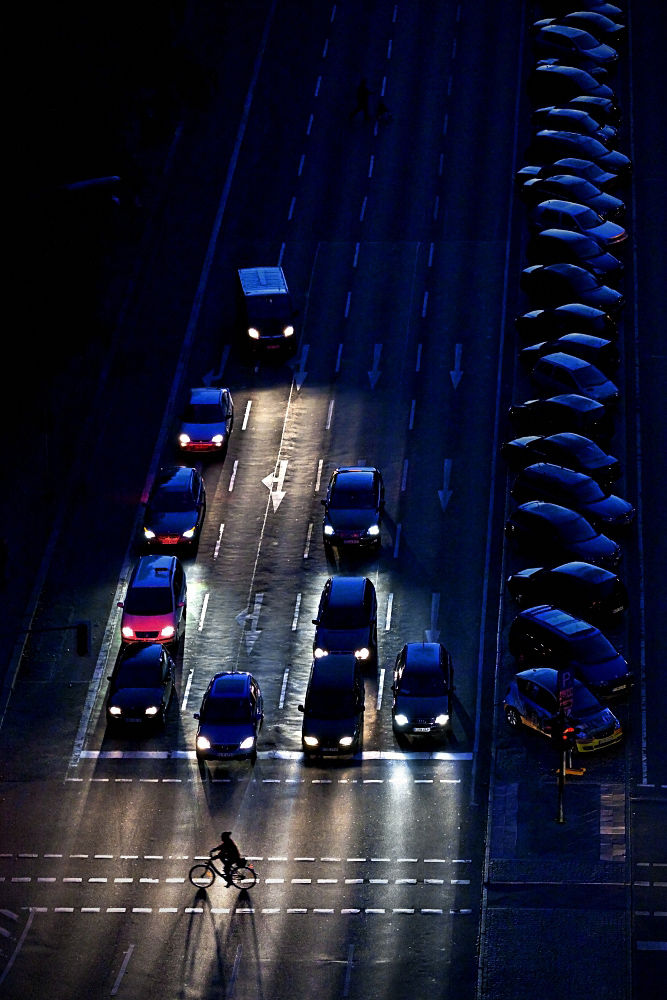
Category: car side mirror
<point>300,708</point>
<point>195,715</point>
<point>120,604</point>
<point>109,678</point>
<point>315,621</point>
<point>181,604</point>
<point>393,687</point>
<point>323,502</point>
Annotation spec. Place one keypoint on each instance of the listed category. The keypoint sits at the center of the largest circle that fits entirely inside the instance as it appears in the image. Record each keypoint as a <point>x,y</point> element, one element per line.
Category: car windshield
<point>222,710</point>
<point>591,376</point>
<point>422,684</point>
<point>148,601</point>
<point>139,675</point>
<point>592,649</point>
<point>587,491</point>
<point>586,41</point>
<point>577,530</point>
<point>203,413</point>
<point>588,218</point>
<point>269,307</point>
<point>330,702</point>
<point>589,248</point>
<point>344,618</point>
<point>166,501</point>
<point>584,189</point>
<point>343,498</point>
<point>585,282</point>
<point>583,702</point>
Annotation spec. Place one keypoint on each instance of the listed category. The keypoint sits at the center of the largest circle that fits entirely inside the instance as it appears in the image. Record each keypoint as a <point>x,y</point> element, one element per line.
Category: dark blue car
<point>230,718</point>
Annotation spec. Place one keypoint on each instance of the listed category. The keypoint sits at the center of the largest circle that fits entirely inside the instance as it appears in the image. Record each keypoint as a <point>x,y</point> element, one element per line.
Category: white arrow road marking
<point>445,493</point>
<point>214,376</point>
<point>252,634</point>
<point>432,633</point>
<point>300,373</point>
<point>457,373</point>
<point>374,374</point>
<point>277,495</point>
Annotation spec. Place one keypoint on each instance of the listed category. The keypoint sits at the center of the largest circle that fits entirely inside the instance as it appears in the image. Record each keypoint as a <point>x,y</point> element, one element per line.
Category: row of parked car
<point>567,516</point>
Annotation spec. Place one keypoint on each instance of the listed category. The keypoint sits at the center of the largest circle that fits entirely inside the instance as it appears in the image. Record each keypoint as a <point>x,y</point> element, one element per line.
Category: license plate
<point>616,610</point>
<point>168,541</point>
<point>132,720</point>
<point>622,687</point>
<point>422,729</point>
<point>350,541</point>
<point>330,749</point>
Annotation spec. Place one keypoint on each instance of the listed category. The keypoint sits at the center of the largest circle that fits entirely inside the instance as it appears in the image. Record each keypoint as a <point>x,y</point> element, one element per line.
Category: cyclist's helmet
<point>225,834</point>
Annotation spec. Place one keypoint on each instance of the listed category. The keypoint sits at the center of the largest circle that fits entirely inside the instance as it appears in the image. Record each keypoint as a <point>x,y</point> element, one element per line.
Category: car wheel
<point>512,716</point>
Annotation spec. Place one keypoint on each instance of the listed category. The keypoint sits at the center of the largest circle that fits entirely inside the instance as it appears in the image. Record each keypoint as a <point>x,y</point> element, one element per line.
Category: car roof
<point>230,684</point>
<point>346,590</point>
<point>541,470</point>
<point>550,511</point>
<point>423,654</point>
<point>336,671</point>
<point>582,338</point>
<point>565,361</point>
<point>174,478</point>
<point>558,620</point>
<point>584,571</point>
<point>576,402</point>
<point>559,235</point>
<point>357,477</point>
<point>546,677</point>
<point>203,395</point>
<point>141,652</point>
<point>154,571</point>
<point>568,207</point>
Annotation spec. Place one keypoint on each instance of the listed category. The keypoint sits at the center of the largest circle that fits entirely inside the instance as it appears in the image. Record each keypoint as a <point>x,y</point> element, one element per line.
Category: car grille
<point>601,734</point>
<point>423,722</point>
<point>146,635</point>
<point>224,747</point>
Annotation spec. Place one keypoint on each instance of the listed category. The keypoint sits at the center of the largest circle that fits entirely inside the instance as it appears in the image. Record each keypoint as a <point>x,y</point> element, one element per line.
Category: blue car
<point>230,718</point>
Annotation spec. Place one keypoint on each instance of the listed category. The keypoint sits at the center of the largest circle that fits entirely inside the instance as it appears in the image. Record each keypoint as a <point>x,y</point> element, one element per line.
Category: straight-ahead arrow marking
<point>278,494</point>
<point>445,493</point>
<point>432,633</point>
<point>299,371</point>
<point>253,633</point>
<point>374,373</point>
<point>210,377</point>
<point>457,373</point>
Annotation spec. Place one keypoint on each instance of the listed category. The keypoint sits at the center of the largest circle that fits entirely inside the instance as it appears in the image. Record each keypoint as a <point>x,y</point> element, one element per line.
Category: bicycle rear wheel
<point>244,878</point>
<point>202,876</point>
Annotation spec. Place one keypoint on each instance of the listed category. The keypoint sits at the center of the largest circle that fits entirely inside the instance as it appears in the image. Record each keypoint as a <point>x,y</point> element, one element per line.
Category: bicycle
<point>203,875</point>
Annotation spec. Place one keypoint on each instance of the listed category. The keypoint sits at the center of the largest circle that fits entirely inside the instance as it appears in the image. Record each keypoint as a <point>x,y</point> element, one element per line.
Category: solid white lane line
<point>325,49</point>
<point>233,479</point>
<point>390,604</point>
<point>317,86</point>
<point>246,415</point>
<point>430,254</point>
<point>310,124</point>
<point>363,209</point>
<point>202,616</point>
<point>184,703</point>
<point>424,305</point>
<point>306,551</point>
<point>329,415</point>
<point>216,550</point>
<point>412,414</point>
<point>291,208</point>
<point>378,704</point>
<point>348,969</point>
<point>281,703</point>
<point>398,540</point>
<point>319,475</point>
<point>404,477</point>
<point>419,357</point>
<point>370,166</point>
<point>297,606</point>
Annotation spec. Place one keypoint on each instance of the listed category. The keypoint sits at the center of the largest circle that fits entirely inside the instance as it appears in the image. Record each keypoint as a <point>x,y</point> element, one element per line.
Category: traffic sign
<point>565,690</point>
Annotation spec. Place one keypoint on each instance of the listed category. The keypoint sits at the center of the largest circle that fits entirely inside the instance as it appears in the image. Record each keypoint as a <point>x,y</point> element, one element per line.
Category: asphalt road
<point>402,248</point>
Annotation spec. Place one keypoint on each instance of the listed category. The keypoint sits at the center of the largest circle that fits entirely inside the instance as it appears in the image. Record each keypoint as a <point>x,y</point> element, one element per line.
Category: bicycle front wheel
<point>202,876</point>
<point>244,878</point>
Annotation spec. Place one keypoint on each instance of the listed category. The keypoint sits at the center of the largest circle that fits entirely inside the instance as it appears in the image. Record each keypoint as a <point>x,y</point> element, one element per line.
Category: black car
<point>347,618</point>
<point>560,372</point>
<point>568,412</point>
<point>333,712</point>
<point>573,451</point>
<point>230,718</point>
<point>176,507</point>
<point>571,317</point>
<point>576,490</point>
<point>604,111</point>
<point>569,187</point>
<point>562,246</point>
<point>573,46</point>
<point>546,636</point>
<point>608,31</point>
<point>599,352</point>
<point>574,120</point>
<point>557,214</point>
<point>553,84</point>
<point>556,532</point>
<point>423,686</point>
<point>572,166</point>
<point>549,145</point>
<point>353,508</point>
<point>532,699</point>
<point>141,685</point>
<point>556,284</point>
<point>579,587</point>
<point>557,8</point>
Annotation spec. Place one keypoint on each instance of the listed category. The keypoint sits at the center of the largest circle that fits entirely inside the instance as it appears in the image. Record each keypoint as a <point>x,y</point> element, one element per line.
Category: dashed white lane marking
<point>424,306</point>
<point>317,86</point>
<point>333,13</point>
<point>397,541</point>
<point>246,415</point>
<point>454,49</point>
<point>356,258</point>
<point>291,208</point>
<point>325,49</point>
<point>318,478</point>
<point>393,19</point>
<point>419,357</point>
<point>277,755</point>
<point>430,255</point>
<point>310,125</point>
<point>390,605</point>
<point>436,206</point>
<point>347,305</point>
<point>378,704</point>
<point>216,550</point>
<point>389,49</point>
<point>363,209</point>
<point>384,84</point>
<point>233,478</point>
<point>458,13</point>
<point>411,422</point>
<point>280,255</point>
<point>404,477</point>
<point>445,123</point>
<point>370,166</point>
<point>449,87</point>
<point>283,689</point>
<point>309,535</point>
<point>202,616</point>
<point>297,607</point>
<point>329,415</point>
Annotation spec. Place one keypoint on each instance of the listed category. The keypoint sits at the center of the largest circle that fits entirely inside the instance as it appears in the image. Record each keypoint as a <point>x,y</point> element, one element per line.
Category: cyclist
<point>229,854</point>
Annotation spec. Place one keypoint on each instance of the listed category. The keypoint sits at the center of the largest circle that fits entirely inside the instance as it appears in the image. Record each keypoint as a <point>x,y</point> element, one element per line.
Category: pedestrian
<point>363,93</point>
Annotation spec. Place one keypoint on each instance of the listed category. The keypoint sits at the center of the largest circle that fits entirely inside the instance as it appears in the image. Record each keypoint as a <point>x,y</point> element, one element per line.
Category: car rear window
<point>149,601</point>
<point>203,413</point>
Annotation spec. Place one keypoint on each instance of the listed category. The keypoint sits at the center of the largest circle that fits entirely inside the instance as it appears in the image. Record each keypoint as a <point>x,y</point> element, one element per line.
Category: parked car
<point>575,490</point>
<point>141,685</point>
<point>556,284</point>
<point>549,145</point>
<point>546,636</point>
<point>562,246</point>
<point>609,32</point>
<point>556,214</point>
<point>568,187</point>
<point>557,8</point>
<point>347,618</point>
<point>599,352</point>
<point>567,412</point>
<point>555,533</point>
<point>422,688</point>
<point>333,711</point>
<point>574,46</point>
<point>590,591</point>
<point>230,718</point>
<point>574,120</point>
<point>571,317</point>
<point>572,166</point>
<point>353,508</point>
<point>560,372</point>
<point>572,451</point>
<point>175,509</point>
<point>532,700</point>
<point>554,84</point>
<point>155,603</point>
<point>207,421</point>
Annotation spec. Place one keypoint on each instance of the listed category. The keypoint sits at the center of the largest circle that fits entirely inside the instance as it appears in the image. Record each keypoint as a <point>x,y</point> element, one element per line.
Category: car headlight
<point>167,631</point>
<point>128,633</point>
<point>346,741</point>
<point>374,530</point>
<point>363,653</point>
<point>148,533</point>
<point>441,720</point>
<point>311,741</point>
<point>328,530</point>
<point>401,720</point>
<point>288,331</point>
<point>152,710</point>
<point>247,743</point>
<point>184,438</point>
<point>203,743</point>
<point>319,652</point>
<point>217,439</point>
<point>253,333</point>
<point>189,533</point>
<point>114,710</point>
